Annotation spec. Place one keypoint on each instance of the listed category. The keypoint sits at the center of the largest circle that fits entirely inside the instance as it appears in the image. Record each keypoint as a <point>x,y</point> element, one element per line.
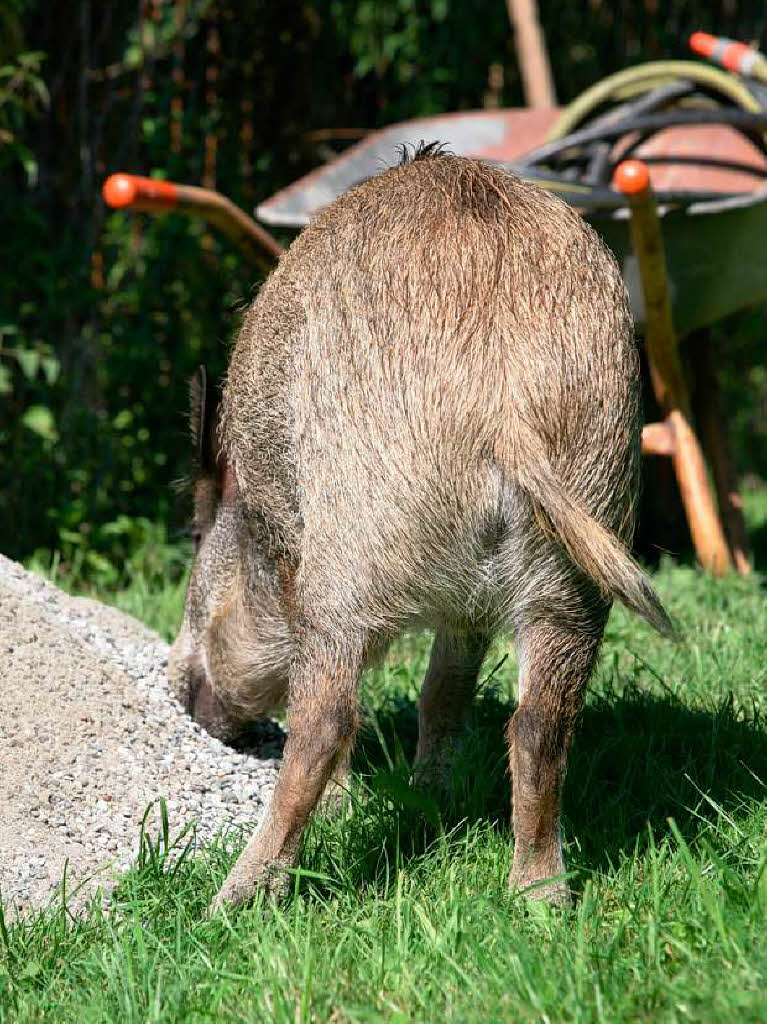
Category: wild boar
<point>430,418</point>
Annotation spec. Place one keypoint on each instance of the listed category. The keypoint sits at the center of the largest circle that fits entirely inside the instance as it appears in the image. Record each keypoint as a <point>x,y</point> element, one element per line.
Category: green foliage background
<point>104,315</point>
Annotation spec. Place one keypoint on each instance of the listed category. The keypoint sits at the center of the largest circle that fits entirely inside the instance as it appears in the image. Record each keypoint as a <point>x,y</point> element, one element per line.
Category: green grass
<point>401,911</point>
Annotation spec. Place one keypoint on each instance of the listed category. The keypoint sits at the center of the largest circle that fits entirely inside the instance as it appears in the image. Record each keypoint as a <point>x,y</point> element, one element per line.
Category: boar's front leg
<point>322,716</point>
<point>555,665</point>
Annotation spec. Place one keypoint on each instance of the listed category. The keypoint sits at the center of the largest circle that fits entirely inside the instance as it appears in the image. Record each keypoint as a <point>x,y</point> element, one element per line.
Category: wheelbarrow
<point>668,161</point>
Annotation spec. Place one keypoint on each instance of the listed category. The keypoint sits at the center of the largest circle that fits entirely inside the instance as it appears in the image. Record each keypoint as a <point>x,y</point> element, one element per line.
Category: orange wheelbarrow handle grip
<point>728,53</point>
<point>132,190</point>
<point>123,191</point>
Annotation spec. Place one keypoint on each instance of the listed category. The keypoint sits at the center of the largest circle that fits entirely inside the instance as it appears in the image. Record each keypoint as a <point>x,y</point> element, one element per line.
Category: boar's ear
<point>202,422</point>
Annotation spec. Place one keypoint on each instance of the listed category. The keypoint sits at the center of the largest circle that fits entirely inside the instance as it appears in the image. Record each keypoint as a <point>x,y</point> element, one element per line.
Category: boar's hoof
<point>554,892</point>
<point>244,882</point>
<point>436,775</point>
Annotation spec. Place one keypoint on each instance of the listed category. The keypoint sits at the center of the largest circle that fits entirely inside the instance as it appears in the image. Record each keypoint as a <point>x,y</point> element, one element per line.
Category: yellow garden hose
<point>625,84</point>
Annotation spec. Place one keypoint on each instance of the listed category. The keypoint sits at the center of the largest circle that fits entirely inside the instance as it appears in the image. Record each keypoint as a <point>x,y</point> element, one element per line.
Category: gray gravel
<point>90,735</point>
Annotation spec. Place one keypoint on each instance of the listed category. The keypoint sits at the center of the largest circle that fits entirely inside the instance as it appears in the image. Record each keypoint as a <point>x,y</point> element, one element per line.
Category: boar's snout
<point>191,687</point>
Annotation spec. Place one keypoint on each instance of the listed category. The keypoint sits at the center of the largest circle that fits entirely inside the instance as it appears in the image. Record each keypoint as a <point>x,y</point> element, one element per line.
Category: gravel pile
<point>90,735</point>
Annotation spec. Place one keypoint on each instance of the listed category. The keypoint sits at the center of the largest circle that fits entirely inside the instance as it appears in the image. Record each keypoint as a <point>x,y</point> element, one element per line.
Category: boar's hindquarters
<point>432,414</point>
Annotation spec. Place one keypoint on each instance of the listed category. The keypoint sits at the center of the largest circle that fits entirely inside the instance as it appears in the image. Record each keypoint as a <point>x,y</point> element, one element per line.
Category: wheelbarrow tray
<point>715,249</point>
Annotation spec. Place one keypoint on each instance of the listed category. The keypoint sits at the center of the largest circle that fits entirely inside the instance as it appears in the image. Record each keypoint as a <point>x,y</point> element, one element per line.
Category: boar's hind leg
<point>322,718</point>
<point>448,689</point>
<point>555,664</point>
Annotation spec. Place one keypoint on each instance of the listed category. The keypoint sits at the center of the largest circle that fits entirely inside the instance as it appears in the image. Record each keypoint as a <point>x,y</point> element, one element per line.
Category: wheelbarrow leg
<point>716,445</point>
<point>675,437</point>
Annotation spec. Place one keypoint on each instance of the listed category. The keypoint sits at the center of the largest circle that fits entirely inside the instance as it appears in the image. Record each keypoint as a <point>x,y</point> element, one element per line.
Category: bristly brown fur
<point>432,418</point>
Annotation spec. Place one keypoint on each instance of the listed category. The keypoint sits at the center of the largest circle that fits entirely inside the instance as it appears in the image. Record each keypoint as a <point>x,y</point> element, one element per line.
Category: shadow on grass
<point>637,761</point>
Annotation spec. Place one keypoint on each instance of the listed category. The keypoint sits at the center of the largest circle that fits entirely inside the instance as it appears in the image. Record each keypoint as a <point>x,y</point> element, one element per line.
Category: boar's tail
<point>595,549</point>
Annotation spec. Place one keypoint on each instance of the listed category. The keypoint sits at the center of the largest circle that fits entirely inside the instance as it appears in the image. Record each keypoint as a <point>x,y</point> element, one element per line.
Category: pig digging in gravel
<point>431,418</point>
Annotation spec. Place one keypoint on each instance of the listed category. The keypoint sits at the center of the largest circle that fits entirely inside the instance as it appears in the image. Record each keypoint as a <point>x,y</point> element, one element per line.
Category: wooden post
<point>713,435</point>
<point>531,52</point>
<point>633,179</point>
